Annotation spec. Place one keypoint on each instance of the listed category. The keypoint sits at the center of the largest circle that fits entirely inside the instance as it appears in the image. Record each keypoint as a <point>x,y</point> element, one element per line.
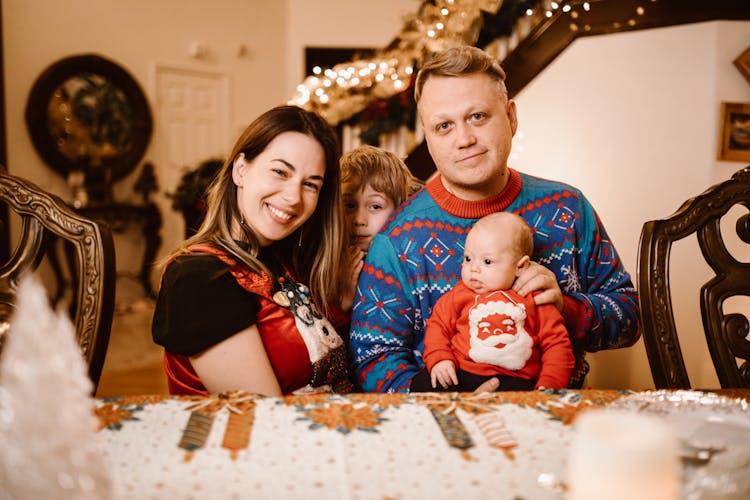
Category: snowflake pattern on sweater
<point>417,256</point>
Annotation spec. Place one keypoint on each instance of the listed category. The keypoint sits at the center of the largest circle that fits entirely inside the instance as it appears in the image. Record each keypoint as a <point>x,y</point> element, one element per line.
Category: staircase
<point>548,38</point>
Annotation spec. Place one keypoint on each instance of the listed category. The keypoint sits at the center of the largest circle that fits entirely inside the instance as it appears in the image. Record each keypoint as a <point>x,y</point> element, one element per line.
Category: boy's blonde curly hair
<point>382,170</point>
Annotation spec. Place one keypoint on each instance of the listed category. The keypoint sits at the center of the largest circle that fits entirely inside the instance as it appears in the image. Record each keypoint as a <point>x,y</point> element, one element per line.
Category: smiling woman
<point>278,190</point>
<point>244,303</point>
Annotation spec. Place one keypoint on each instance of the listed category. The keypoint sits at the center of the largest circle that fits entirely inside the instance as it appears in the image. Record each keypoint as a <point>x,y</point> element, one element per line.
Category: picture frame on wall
<point>734,132</point>
<point>743,64</point>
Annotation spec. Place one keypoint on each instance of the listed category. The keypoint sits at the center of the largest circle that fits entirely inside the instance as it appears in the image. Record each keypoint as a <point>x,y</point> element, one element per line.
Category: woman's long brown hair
<point>315,251</point>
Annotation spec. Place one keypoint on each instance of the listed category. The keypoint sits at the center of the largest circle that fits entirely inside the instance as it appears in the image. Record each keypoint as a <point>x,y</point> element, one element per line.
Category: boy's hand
<point>444,372</point>
<point>353,266</point>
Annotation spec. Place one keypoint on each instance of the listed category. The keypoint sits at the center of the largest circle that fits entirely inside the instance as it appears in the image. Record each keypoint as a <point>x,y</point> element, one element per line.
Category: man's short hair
<point>458,61</point>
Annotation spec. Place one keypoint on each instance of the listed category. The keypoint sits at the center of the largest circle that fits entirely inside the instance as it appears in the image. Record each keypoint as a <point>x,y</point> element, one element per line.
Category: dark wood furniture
<point>43,214</point>
<point>4,230</point>
<point>726,334</point>
<point>121,216</point>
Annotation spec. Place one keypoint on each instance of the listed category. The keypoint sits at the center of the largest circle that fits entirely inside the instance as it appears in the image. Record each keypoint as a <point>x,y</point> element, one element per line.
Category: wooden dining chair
<point>726,334</point>
<point>44,218</point>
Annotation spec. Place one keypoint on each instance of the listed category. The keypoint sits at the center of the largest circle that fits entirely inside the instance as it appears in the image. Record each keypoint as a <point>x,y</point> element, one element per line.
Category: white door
<point>191,123</point>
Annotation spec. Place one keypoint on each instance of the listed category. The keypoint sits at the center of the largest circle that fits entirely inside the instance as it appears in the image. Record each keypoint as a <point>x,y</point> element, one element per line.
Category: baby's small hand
<point>444,372</point>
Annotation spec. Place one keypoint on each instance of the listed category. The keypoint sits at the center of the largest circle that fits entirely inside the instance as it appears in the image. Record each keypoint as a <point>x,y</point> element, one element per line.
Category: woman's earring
<point>299,243</point>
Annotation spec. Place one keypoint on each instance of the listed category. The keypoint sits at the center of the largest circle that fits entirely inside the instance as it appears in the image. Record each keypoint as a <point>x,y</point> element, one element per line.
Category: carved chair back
<point>43,214</point>
<point>726,334</point>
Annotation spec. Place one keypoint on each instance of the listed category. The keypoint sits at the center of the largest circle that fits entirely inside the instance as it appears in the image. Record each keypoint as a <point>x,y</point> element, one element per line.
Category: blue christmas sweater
<point>417,257</point>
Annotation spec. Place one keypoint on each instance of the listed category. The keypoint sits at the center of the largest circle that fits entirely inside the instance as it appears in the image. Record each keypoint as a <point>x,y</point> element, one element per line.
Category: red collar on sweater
<point>475,209</point>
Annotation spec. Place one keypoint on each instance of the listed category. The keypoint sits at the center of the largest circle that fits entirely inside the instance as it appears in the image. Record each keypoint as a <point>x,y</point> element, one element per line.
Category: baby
<point>483,329</point>
<point>374,182</point>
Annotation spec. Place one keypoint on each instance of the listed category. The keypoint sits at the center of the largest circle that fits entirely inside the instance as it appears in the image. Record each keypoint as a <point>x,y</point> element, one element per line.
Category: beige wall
<point>136,34</point>
<point>139,34</point>
<point>632,119</point>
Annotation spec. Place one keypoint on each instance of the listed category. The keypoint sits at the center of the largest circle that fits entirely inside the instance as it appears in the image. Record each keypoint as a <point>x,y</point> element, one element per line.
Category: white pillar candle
<point>623,456</point>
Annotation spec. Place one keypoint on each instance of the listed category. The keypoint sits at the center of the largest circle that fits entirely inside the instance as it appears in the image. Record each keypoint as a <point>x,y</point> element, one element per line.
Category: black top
<point>199,305</point>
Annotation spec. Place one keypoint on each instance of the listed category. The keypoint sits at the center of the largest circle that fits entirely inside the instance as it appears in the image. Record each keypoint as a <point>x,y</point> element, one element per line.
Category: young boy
<point>374,182</point>
<point>483,329</point>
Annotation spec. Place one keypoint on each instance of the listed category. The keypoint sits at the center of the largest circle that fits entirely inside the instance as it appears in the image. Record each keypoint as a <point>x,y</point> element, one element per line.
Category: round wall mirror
<point>87,114</point>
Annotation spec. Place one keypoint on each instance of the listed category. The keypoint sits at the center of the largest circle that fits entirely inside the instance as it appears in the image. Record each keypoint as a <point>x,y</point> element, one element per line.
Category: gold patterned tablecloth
<point>361,446</point>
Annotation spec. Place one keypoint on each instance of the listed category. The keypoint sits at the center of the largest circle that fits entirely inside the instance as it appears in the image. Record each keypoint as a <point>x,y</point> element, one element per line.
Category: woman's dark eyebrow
<point>291,167</point>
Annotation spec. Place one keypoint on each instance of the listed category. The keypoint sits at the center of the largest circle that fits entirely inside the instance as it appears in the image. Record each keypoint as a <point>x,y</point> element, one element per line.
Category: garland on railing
<point>340,92</point>
<point>384,116</point>
<point>504,22</point>
<point>377,94</point>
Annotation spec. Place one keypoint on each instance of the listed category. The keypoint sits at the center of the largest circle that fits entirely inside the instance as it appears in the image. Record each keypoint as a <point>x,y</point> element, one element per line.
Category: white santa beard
<point>513,355</point>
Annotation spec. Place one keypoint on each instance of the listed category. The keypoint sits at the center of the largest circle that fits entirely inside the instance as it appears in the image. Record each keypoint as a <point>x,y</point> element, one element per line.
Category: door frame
<point>226,105</point>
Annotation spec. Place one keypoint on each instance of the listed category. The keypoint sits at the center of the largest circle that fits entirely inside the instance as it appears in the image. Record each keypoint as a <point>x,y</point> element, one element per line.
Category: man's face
<point>469,127</point>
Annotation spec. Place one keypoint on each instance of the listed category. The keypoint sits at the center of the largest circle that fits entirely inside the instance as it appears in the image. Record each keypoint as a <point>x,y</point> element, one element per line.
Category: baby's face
<point>490,261</point>
<point>366,212</point>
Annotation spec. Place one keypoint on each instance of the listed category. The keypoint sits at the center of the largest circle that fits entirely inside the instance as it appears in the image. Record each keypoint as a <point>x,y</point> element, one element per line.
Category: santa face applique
<point>497,333</point>
<point>318,334</point>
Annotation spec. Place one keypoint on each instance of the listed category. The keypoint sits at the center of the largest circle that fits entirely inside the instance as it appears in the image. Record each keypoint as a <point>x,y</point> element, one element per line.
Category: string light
<point>346,89</point>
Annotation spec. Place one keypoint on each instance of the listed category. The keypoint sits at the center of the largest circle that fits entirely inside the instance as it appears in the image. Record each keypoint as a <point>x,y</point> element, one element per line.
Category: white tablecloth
<point>362,446</point>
